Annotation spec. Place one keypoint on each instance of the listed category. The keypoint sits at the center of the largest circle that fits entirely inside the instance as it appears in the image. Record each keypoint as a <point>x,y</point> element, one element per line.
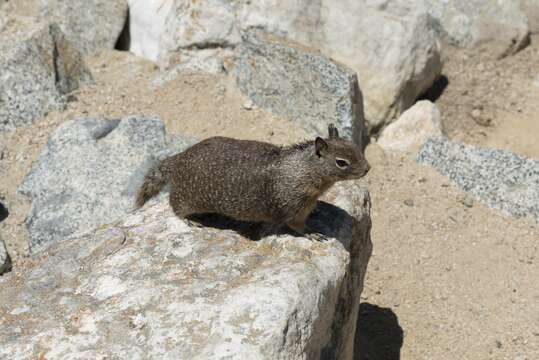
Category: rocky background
<point>443,96</point>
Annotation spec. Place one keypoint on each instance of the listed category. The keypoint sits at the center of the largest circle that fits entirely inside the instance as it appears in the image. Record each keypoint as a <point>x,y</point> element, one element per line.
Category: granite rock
<point>412,129</point>
<point>301,84</point>
<point>393,45</point>
<point>146,25</point>
<point>89,25</point>
<point>88,173</point>
<point>469,23</point>
<point>38,66</point>
<point>151,287</point>
<point>175,144</point>
<point>498,178</point>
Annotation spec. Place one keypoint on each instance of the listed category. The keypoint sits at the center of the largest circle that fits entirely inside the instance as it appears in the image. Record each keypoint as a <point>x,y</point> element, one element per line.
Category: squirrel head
<point>340,159</point>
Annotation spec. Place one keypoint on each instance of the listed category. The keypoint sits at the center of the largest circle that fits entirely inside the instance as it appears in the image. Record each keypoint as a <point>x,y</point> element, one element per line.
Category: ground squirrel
<point>255,181</point>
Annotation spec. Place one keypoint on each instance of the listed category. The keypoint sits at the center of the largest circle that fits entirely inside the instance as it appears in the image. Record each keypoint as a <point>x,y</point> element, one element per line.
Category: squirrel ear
<point>321,146</point>
<point>333,132</point>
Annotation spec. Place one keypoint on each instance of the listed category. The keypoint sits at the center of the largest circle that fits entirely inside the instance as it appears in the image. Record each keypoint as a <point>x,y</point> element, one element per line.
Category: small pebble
<point>221,89</point>
<point>248,105</point>
<point>466,200</point>
<point>479,119</point>
<point>476,113</point>
<point>409,202</point>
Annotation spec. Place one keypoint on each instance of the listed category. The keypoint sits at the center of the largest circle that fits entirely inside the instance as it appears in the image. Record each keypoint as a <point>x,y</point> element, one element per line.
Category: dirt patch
<point>492,102</point>
<point>459,278</point>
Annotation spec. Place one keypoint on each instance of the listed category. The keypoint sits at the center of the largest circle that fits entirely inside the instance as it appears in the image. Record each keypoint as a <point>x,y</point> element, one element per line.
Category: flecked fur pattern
<point>255,181</point>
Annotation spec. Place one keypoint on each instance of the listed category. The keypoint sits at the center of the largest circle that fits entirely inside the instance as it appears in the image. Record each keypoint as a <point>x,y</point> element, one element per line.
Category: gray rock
<point>300,84</point>
<point>414,126</point>
<point>89,25</point>
<point>151,287</point>
<point>468,23</point>
<point>88,173</point>
<point>176,144</point>
<point>37,67</point>
<point>497,178</point>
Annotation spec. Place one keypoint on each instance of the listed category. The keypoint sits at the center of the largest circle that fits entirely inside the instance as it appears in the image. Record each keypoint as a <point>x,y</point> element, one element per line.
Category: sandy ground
<point>460,282</point>
<point>489,102</point>
<point>446,280</point>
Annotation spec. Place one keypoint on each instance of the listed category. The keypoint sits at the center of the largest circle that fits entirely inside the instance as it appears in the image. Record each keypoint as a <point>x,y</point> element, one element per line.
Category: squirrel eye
<point>343,164</point>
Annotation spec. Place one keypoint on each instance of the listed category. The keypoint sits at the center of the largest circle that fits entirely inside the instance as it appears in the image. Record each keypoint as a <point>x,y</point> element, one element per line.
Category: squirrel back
<point>255,181</point>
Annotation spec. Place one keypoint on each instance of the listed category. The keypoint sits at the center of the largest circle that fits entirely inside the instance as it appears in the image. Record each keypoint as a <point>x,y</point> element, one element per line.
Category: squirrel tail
<point>154,181</point>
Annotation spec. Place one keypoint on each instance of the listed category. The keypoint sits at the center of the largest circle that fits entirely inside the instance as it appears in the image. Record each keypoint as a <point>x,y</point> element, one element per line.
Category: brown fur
<point>254,181</point>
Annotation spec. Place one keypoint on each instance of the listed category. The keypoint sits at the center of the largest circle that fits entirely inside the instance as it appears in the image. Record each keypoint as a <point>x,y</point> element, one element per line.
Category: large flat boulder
<point>470,23</point>
<point>88,173</point>
<point>392,45</point>
<point>38,66</point>
<point>89,25</point>
<point>169,31</point>
<point>498,178</point>
<point>151,287</point>
<point>300,84</point>
<point>146,25</point>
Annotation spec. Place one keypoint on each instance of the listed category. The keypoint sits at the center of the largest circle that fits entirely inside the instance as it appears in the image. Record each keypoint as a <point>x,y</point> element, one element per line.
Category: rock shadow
<point>123,43</point>
<point>378,334</point>
<point>7,266</point>
<point>4,213</point>
<point>326,219</point>
<point>249,230</point>
<point>436,90</point>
